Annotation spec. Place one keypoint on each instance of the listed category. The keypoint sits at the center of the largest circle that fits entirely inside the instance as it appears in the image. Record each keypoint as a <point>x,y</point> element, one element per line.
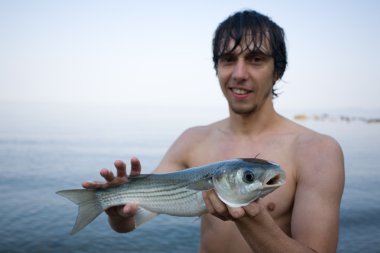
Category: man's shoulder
<point>200,132</point>
<point>316,150</point>
<point>307,138</point>
<point>189,148</point>
<point>310,145</point>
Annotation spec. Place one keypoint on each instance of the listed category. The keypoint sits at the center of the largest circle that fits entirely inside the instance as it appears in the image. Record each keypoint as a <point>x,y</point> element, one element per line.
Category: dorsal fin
<point>257,161</point>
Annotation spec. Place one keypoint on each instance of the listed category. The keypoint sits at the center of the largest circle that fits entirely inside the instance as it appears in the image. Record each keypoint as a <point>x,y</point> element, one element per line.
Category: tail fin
<point>88,206</point>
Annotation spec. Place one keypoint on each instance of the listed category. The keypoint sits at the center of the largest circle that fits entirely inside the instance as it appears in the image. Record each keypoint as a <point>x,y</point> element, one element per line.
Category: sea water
<point>40,155</point>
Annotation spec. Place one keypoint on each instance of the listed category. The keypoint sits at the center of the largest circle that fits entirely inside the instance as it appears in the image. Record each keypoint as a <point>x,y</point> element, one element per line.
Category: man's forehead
<point>248,43</point>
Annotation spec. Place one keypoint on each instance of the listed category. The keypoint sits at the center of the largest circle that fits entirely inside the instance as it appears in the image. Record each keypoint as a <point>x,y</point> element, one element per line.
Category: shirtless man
<point>302,215</point>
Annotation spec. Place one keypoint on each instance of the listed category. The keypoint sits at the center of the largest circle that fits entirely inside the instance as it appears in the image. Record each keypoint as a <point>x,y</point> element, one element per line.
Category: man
<point>301,216</point>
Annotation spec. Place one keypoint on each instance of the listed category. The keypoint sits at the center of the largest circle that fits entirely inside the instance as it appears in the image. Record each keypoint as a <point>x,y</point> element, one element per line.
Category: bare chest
<point>279,150</point>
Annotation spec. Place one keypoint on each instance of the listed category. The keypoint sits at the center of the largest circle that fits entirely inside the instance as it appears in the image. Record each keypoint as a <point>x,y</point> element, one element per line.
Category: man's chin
<point>243,111</point>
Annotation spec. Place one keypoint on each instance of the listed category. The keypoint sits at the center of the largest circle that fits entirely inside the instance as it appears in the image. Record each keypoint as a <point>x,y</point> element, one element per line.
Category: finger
<point>126,211</point>
<point>107,174</point>
<point>89,185</point>
<point>93,185</point>
<point>236,212</point>
<point>129,210</point>
<point>135,166</point>
<point>252,209</point>
<point>219,209</point>
<point>208,204</point>
<point>218,205</point>
<point>121,168</point>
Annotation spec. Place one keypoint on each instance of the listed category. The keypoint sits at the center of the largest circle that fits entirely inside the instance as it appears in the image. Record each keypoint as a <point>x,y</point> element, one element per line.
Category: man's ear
<point>275,78</point>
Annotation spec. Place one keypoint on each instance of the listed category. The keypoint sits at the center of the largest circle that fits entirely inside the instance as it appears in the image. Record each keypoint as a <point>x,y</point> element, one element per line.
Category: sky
<point>158,53</point>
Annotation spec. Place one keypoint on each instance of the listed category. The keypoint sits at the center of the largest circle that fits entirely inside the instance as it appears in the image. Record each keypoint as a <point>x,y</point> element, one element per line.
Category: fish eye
<point>248,177</point>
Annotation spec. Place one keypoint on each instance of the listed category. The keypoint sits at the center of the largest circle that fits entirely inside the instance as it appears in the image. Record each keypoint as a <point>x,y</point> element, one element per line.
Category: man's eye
<point>256,59</point>
<point>227,59</point>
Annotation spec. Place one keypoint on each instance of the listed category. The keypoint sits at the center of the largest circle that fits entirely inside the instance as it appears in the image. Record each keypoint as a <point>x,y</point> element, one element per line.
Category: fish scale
<point>173,200</point>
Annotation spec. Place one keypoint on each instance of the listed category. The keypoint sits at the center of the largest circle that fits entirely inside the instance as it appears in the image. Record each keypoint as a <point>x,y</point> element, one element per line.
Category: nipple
<point>271,206</point>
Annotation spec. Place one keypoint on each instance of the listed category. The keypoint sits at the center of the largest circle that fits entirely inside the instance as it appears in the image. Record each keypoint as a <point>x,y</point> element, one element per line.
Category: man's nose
<point>240,71</point>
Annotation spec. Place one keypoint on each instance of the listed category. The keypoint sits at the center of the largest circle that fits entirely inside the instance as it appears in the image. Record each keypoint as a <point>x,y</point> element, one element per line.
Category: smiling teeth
<point>239,91</point>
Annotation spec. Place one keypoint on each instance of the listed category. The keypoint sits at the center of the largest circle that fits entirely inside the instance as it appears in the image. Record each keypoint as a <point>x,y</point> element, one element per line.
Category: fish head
<point>241,181</point>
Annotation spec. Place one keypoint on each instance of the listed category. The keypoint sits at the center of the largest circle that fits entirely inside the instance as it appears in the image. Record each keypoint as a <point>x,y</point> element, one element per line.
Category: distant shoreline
<point>333,118</point>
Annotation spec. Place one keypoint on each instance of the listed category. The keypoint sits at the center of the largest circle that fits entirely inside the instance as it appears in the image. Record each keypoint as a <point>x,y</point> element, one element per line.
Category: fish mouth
<point>272,183</point>
<point>275,180</point>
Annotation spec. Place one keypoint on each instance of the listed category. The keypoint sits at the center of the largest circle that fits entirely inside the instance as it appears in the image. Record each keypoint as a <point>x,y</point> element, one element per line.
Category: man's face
<point>246,77</point>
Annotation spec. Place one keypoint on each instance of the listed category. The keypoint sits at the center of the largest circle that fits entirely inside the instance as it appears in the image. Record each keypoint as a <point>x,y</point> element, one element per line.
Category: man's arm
<point>315,217</point>
<point>121,218</point>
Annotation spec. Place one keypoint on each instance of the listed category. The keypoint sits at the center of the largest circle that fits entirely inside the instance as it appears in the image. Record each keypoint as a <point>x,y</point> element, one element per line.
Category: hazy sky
<point>159,52</point>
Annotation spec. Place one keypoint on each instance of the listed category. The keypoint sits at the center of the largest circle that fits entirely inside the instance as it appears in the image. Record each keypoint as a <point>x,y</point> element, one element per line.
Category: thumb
<point>129,210</point>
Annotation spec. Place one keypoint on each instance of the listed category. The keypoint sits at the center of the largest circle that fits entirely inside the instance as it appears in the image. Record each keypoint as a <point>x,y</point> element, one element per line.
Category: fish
<point>237,183</point>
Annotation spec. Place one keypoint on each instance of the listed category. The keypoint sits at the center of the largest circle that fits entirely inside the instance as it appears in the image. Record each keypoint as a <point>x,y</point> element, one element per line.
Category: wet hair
<point>249,28</point>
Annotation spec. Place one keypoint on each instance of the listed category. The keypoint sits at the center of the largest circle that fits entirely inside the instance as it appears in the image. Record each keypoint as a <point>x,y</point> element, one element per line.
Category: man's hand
<point>219,209</point>
<point>120,217</point>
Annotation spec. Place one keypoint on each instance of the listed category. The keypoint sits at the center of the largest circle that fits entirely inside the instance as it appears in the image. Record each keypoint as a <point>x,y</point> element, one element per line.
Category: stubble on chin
<point>243,111</point>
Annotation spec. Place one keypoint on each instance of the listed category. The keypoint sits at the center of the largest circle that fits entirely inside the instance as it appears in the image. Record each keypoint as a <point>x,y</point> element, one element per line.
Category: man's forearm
<point>263,235</point>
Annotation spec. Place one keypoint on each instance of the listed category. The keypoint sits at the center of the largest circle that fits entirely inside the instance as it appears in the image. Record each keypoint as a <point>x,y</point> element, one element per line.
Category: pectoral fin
<point>201,185</point>
<point>143,215</point>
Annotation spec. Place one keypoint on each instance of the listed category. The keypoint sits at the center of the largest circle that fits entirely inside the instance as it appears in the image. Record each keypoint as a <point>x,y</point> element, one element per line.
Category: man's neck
<point>254,123</point>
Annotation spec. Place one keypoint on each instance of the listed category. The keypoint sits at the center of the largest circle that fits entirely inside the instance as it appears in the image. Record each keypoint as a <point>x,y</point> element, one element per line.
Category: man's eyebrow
<point>227,54</point>
<point>258,52</point>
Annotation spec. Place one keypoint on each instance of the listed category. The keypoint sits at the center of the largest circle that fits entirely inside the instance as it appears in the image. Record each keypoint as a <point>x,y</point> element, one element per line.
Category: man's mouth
<point>240,92</point>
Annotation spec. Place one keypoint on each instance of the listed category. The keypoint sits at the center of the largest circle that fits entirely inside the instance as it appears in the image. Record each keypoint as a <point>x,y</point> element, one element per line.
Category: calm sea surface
<point>39,156</point>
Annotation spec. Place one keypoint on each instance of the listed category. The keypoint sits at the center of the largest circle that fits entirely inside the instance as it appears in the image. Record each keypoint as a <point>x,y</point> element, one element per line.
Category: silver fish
<point>237,182</point>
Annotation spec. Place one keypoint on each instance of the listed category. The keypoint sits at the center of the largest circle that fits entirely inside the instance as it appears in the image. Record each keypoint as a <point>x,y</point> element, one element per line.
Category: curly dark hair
<point>251,27</point>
